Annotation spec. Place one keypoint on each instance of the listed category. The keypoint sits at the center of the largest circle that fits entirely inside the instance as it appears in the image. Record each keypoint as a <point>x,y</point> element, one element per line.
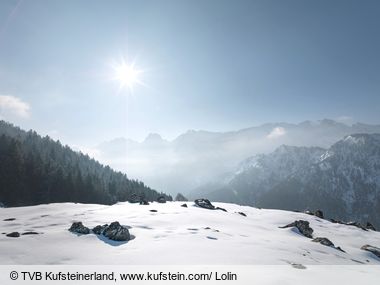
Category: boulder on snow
<point>144,202</point>
<point>99,229</point>
<point>13,234</point>
<point>302,226</point>
<point>356,224</point>
<point>9,219</point>
<point>117,232</point>
<point>79,228</point>
<point>324,241</point>
<point>369,226</point>
<point>184,205</point>
<point>327,242</point>
<point>373,249</point>
<point>206,204</point>
<point>30,233</point>
<point>319,214</point>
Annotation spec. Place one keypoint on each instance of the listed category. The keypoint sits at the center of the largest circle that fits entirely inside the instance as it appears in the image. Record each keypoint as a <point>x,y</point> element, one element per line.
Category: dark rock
<point>184,205</point>
<point>324,241</point>
<point>98,230</point>
<point>154,211</point>
<point>219,208</point>
<point>243,214</point>
<point>79,228</point>
<point>302,226</point>
<point>356,224</point>
<point>327,242</point>
<point>309,213</point>
<point>144,202</point>
<point>14,235</point>
<point>117,232</point>
<point>319,214</point>
<point>29,233</point>
<point>9,219</point>
<point>373,249</point>
<point>369,226</point>
<point>340,249</point>
<point>204,203</point>
<point>161,199</point>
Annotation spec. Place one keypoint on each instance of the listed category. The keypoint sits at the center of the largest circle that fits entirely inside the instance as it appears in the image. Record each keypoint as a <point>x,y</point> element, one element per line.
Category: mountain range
<point>197,159</point>
<point>343,180</point>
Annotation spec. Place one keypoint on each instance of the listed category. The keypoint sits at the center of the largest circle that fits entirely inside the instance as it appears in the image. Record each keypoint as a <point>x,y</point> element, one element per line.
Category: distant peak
<point>153,137</point>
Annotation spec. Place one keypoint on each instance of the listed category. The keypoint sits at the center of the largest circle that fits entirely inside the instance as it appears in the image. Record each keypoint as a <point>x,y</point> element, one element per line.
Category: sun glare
<point>127,75</point>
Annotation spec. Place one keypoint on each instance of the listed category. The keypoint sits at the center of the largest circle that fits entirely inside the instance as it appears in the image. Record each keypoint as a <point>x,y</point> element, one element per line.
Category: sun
<point>128,75</point>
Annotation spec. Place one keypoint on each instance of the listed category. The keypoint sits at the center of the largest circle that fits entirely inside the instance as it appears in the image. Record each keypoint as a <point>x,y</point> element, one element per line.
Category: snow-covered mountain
<point>197,159</point>
<point>343,180</point>
<point>171,234</point>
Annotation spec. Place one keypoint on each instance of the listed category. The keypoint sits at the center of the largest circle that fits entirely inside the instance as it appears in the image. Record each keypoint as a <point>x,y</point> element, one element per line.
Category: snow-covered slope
<point>177,235</point>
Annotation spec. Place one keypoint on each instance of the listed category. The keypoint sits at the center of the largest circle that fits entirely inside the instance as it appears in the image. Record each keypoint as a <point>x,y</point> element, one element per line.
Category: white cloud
<point>13,106</point>
<point>276,133</point>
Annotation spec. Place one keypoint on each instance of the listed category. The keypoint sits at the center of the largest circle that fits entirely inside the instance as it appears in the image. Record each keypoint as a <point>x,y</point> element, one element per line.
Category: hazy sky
<point>214,65</point>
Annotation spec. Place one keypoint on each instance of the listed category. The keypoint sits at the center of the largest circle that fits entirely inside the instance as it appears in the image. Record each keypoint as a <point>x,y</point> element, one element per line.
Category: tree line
<point>36,170</point>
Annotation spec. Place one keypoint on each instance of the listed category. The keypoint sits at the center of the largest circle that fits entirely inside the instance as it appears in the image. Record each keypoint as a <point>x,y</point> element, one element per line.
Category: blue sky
<point>214,65</point>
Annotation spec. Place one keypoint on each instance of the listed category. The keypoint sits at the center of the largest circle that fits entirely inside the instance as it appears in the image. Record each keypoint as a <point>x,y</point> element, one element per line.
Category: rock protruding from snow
<point>204,203</point>
<point>242,214</point>
<point>184,205</point>
<point>99,229</point>
<point>9,219</point>
<point>319,214</point>
<point>144,202</point>
<point>373,249</point>
<point>302,226</point>
<point>369,226</point>
<point>13,235</point>
<point>327,242</point>
<point>79,228</point>
<point>117,232</point>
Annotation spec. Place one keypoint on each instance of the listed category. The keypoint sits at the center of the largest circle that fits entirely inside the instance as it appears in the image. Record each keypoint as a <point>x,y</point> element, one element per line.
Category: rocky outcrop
<point>369,226</point>
<point>117,232</point>
<point>319,214</point>
<point>206,204</point>
<point>79,228</point>
<point>302,226</point>
<point>326,242</point>
<point>373,249</point>
<point>99,229</point>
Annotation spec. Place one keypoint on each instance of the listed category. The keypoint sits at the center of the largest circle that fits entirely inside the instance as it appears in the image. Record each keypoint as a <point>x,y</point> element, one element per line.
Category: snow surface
<point>177,235</point>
